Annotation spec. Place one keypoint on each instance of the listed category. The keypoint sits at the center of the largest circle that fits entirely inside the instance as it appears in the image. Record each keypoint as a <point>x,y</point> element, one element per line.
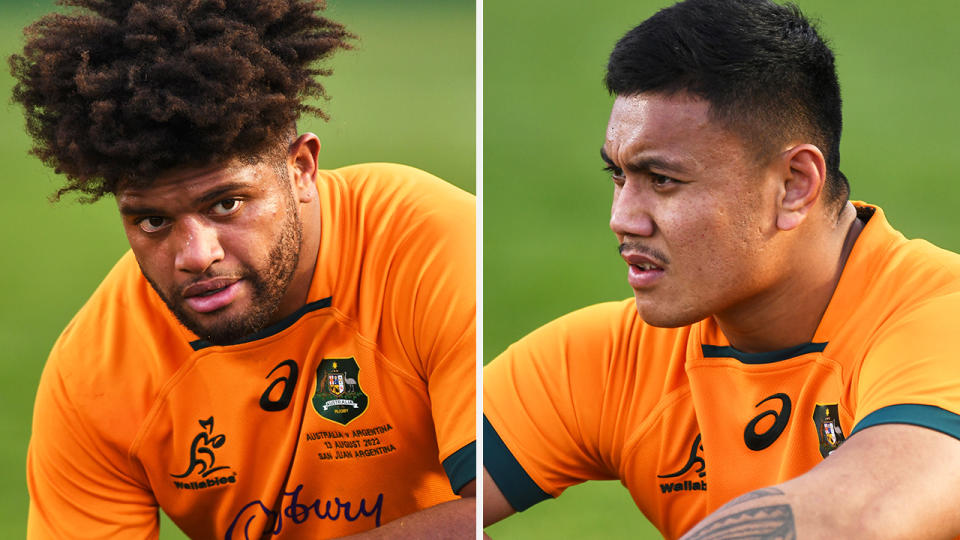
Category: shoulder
<point>889,278</point>
<point>398,248</point>
<point>116,352</point>
<point>390,223</point>
<point>601,339</point>
<point>123,315</point>
<point>562,401</point>
<point>605,324</point>
<point>921,268</point>
<point>895,318</point>
<point>387,183</point>
<point>385,203</point>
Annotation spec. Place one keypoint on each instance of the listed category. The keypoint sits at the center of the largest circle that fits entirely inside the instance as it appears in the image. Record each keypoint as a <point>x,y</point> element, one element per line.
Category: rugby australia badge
<point>827,420</point>
<point>338,396</point>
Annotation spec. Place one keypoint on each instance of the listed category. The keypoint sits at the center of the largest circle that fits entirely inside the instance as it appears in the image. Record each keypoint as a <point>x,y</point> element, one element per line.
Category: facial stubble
<point>268,288</point>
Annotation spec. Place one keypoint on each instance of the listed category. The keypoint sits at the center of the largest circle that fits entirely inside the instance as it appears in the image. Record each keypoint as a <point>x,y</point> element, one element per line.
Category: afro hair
<point>120,91</point>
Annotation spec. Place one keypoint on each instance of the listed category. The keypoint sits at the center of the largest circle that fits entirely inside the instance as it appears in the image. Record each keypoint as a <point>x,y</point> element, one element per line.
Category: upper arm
<point>897,467</point>
<point>895,471</point>
<point>886,481</point>
<point>911,373</point>
<point>495,505</point>
<point>431,305</point>
<point>543,400</point>
<point>79,484</point>
<point>446,340</point>
<point>891,481</point>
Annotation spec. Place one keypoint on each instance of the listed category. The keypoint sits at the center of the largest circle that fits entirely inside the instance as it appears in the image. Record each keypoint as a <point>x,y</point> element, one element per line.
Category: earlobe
<point>303,159</point>
<point>802,184</point>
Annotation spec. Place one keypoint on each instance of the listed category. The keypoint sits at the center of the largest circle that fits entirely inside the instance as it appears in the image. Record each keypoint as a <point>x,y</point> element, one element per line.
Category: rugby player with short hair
<point>785,368</point>
<point>285,351</point>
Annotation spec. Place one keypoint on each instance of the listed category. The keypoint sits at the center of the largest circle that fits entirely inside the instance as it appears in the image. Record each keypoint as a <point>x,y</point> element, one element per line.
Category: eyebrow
<point>208,197</point>
<point>647,163</point>
<point>220,191</point>
<point>134,210</point>
<point>605,157</point>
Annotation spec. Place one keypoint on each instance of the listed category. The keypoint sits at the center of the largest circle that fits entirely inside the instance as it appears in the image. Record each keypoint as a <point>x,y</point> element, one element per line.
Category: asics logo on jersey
<point>758,441</point>
<point>694,459</point>
<point>289,383</point>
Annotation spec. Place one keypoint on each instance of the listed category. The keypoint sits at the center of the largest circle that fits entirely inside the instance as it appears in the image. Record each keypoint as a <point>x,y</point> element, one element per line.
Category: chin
<point>665,315</point>
<point>223,326</point>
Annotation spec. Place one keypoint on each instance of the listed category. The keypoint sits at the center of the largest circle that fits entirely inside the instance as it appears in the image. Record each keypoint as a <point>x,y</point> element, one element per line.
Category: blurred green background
<point>546,246</point>
<point>406,94</point>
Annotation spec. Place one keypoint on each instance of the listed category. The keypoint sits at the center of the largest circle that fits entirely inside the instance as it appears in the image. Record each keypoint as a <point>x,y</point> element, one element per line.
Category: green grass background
<point>406,94</point>
<point>546,246</point>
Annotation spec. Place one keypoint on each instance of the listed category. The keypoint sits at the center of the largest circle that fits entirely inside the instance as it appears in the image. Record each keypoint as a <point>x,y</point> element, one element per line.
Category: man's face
<point>693,211</point>
<point>219,245</point>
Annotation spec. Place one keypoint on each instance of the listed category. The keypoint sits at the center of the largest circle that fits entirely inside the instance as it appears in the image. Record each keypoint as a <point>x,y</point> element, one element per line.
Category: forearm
<point>762,514</point>
<point>886,482</point>
<point>453,520</point>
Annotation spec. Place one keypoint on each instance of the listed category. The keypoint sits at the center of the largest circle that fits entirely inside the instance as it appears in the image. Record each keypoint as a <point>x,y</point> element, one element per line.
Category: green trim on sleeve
<point>516,485</point>
<point>461,466</point>
<point>926,416</point>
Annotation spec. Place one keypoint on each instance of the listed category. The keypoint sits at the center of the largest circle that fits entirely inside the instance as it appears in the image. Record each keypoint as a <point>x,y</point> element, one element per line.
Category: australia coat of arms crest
<point>338,396</point>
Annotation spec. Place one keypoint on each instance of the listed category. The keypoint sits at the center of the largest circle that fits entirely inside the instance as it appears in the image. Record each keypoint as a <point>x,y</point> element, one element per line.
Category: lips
<point>211,294</point>
<point>643,271</point>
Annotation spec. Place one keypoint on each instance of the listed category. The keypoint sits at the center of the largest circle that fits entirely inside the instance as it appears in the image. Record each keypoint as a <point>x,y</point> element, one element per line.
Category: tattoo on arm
<point>755,494</point>
<point>767,522</point>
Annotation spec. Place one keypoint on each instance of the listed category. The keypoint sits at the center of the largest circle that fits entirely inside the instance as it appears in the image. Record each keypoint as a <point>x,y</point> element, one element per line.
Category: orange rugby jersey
<point>686,422</point>
<point>354,411</point>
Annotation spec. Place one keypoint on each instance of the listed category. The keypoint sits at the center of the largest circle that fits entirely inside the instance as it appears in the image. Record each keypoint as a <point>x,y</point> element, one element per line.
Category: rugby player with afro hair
<point>203,373</point>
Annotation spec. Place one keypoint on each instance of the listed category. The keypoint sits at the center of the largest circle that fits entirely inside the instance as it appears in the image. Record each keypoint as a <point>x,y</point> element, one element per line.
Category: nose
<point>198,245</point>
<point>630,213</point>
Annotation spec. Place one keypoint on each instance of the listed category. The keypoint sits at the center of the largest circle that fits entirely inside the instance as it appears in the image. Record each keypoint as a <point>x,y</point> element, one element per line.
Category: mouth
<point>643,271</point>
<point>211,295</point>
<point>212,292</point>
<point>644,267</point>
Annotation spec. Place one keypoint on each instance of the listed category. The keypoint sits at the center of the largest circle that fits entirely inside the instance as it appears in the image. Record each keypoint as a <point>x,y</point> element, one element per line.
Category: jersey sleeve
<point>910,374</point>
<point>542,402</point>
<point>79,483</point>
<point>433,301</point>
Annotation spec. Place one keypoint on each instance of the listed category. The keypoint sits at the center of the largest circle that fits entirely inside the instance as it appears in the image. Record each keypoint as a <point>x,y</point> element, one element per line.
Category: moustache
<point>636,247</point>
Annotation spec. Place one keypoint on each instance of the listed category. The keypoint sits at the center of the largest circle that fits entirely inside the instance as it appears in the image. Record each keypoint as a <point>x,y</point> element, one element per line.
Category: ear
<point>302,165</point>
<point>806,172</point>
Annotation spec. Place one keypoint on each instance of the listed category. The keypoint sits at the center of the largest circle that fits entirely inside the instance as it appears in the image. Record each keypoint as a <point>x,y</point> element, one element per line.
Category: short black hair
<point>763,68</point>
<point>121,91</point>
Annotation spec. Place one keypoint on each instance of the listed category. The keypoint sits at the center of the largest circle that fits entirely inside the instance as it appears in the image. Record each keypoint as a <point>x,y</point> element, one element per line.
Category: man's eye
<point>615,172</point>
<point>226,207</point>
<point>660,180</point>
<point>152,224</point>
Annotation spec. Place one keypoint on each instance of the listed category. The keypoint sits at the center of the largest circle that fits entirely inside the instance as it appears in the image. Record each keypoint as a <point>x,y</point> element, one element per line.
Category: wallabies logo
<point>338,397</point>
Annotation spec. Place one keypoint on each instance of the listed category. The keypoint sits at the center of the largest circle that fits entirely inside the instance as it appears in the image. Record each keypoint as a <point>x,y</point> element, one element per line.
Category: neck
<point>788,313</point>
<point>298,291</point>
